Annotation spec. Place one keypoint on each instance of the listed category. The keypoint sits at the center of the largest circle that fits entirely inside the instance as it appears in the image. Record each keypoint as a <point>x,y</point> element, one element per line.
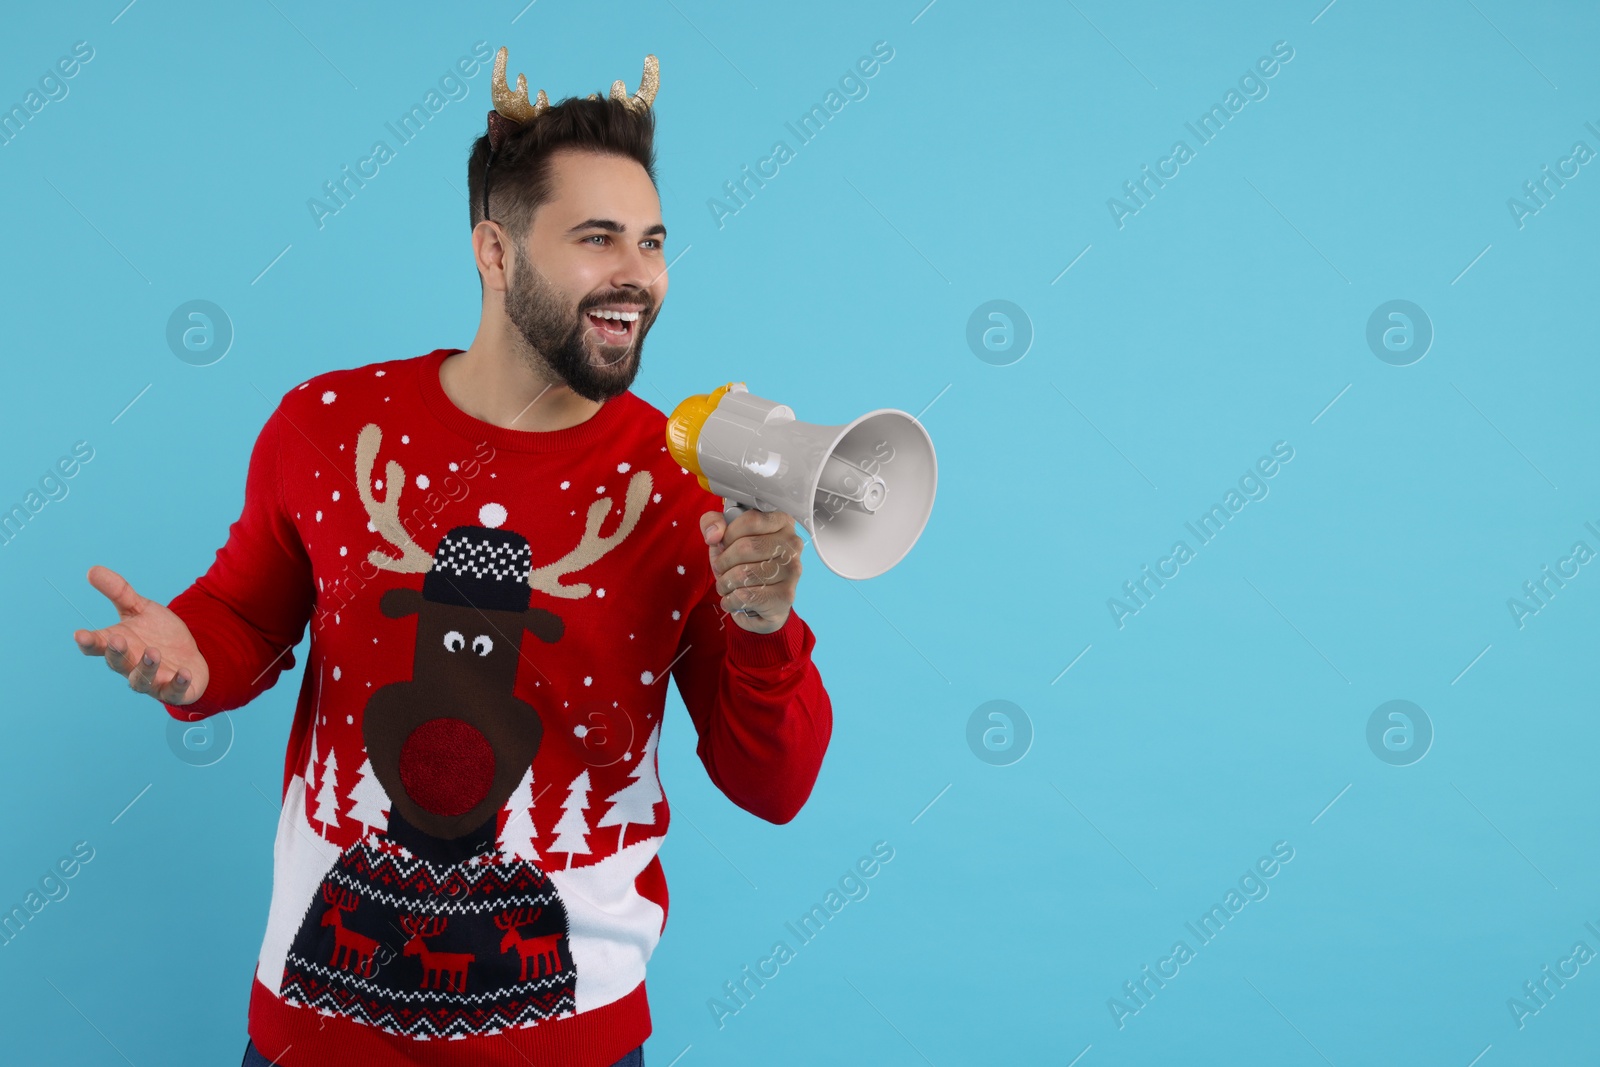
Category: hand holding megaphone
<point>864,489</point>
<point>755,560</point>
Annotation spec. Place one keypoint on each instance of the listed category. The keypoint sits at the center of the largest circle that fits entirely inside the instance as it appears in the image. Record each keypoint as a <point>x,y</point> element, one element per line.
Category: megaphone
<point>863,490</point>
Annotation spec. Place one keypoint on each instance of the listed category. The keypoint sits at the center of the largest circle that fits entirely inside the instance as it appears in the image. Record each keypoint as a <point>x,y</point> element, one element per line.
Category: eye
<point>597,237</point>
<point>482,645</point>
<point>454,641</point>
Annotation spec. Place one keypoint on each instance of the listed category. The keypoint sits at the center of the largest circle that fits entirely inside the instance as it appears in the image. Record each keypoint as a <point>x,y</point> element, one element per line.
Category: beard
<point>566,342</point>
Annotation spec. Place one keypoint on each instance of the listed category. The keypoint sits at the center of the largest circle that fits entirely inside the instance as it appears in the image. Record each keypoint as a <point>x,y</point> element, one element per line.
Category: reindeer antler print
<point>547,579</point>
<point>386,516</point>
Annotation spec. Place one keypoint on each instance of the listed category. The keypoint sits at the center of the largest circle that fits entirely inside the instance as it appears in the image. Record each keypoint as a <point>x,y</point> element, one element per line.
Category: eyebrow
<point>611,226</point>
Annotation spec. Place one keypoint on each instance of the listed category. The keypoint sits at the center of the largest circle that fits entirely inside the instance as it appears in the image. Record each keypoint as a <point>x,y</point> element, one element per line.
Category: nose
<point>447,766</point>
<point>639,270</point>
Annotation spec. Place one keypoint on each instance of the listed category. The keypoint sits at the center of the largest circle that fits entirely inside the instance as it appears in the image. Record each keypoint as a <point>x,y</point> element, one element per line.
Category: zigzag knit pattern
<point>429,951</point>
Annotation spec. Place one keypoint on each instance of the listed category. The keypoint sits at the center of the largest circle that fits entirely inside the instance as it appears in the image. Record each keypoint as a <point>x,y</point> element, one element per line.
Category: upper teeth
<point>625,316</point>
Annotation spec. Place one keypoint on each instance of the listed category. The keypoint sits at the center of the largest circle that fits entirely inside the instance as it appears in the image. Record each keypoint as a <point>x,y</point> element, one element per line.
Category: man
<point>494,551</point>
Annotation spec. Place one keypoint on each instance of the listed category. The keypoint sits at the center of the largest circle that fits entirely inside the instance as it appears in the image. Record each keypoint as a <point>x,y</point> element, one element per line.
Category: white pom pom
<point>491,515</point>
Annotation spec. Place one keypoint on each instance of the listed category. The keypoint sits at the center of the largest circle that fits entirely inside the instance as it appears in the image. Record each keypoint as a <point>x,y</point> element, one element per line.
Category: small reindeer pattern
<point>425,950</point>
<point>543,949</point>
<point>351,951</point>
<point>435,965</point>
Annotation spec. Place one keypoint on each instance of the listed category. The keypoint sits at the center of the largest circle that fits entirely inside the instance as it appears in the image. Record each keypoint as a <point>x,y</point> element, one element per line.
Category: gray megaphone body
<point>863,490</point>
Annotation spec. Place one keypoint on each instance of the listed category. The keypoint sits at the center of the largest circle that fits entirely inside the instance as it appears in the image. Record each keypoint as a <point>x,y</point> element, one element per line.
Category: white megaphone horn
<point>863,490</point>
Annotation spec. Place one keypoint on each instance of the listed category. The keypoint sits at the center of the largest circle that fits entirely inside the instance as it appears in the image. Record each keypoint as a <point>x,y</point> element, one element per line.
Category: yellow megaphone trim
<point>683,430</point>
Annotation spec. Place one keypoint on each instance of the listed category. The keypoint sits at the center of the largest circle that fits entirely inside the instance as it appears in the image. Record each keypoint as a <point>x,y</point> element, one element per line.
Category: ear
<point>398,603</point>
<point>544,625</point>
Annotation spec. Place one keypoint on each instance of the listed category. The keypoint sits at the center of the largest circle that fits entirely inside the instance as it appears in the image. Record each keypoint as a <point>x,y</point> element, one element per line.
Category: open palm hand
<point>151,646</point>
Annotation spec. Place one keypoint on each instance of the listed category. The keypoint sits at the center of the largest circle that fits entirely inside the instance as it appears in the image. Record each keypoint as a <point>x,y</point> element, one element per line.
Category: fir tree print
<point>328,796</point>
<point>311,764</point>
<point>368,802</point>
<point>573,826</point>
<point>516,839</point>
<point>636,802</point>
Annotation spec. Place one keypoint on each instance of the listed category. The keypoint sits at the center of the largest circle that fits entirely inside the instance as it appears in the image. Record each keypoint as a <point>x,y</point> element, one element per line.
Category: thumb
<point>711,526</point>
<point>116,589</point>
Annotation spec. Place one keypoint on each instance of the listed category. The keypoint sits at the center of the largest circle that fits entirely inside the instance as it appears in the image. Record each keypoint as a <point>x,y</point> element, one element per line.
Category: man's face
<point>591,281</point>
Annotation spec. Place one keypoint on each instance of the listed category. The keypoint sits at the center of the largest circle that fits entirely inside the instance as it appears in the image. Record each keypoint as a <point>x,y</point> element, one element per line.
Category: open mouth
<point>614,327</point>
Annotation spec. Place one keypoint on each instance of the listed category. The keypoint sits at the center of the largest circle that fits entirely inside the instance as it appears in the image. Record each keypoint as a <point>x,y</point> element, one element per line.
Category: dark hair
<point>519,177</point>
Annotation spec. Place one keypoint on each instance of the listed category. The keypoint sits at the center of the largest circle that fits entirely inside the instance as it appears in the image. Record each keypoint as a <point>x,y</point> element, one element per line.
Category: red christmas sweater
<point>465,869</point>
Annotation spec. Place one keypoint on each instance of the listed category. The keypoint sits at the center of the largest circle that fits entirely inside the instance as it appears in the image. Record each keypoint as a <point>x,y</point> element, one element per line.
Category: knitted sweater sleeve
<point>251,607</point>
<point>758,705</point>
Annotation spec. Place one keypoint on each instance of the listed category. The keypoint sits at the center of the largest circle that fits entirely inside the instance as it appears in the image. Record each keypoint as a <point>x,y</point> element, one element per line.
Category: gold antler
<point>547,579</point>
<point>649,82</point>
<point>514,105</point>
<point>386,516</point>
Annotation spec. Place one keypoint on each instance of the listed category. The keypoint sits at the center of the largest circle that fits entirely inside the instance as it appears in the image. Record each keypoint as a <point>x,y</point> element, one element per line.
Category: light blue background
<point>1223,317</point>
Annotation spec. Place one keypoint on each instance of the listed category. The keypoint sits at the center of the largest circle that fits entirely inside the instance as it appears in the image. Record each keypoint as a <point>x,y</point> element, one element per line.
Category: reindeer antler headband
<point>513,109</point>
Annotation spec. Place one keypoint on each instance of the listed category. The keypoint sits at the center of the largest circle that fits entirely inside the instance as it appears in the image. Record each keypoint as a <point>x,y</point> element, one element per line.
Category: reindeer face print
<point>451,744</point>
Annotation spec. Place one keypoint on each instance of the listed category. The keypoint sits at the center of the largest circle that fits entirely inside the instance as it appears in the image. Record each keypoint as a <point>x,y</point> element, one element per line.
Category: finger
<point>763,572</point>
<point>712,523</point>
<point>762,600</point>
<point>116,589</point>
<point>754,522</point>
<point>90,642</point>
<point>176,690</point>
<point>118,656</point>
<point>754,549</point>
<point>741,601</point>
<point>737,546</point>
<point>143,676</point>
<point>748,522</point>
